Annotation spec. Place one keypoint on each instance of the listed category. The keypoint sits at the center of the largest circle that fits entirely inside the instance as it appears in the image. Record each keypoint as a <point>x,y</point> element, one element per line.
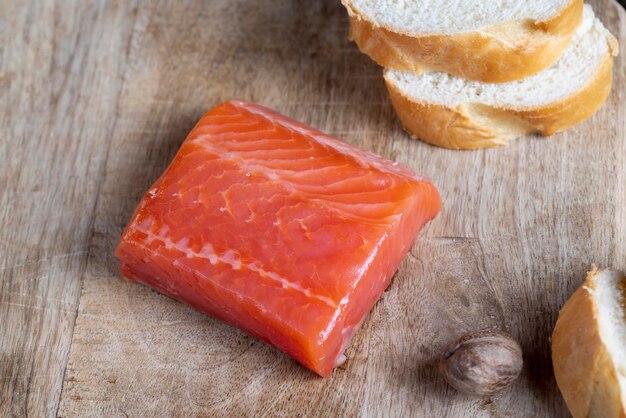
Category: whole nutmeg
<point>481,364</point>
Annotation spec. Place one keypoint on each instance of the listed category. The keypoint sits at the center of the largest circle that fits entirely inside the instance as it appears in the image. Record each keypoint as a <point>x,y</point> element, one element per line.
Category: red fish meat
<point>278,229</point>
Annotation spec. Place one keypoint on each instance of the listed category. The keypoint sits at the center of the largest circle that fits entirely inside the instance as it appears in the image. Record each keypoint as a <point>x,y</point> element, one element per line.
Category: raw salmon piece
<point>278,229</point>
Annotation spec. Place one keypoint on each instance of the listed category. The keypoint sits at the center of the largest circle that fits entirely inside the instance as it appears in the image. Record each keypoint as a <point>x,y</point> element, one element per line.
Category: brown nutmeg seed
<point>481,364</point>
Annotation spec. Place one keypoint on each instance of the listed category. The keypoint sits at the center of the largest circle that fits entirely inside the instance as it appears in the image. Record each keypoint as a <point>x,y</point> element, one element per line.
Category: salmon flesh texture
<point>278,229</point>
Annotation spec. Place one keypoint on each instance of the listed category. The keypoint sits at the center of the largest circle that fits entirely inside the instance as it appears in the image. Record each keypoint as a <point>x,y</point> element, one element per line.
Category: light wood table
<point>96,97</point>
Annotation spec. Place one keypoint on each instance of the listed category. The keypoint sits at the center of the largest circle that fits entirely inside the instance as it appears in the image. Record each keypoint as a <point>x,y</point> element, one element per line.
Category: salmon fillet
<point>278,229</point>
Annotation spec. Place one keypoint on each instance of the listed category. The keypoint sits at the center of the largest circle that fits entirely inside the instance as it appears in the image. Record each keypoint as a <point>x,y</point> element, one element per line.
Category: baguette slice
<point>589,347</point>
<point>452,112</point>
<point>491,41</point>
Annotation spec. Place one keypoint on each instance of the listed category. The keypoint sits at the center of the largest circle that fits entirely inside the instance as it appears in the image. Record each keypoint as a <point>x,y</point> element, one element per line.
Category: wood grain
<point>58,94</point>
<point>96,97</point>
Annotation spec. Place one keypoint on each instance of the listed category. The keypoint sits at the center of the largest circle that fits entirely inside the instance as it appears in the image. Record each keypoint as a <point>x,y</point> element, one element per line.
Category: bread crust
<point>473,126</point>
<point>583,367</point>
<point>501,53</point>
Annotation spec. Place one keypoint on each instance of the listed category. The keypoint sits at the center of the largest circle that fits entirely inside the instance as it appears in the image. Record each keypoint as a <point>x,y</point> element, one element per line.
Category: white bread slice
<point>491,41</point>
<point>589,347</point>
<point>452,112</point>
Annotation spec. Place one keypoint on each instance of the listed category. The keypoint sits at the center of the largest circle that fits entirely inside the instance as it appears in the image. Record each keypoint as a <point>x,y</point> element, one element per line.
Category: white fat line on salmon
<point>358,154</point>
<point>295,188</point>
<point>206,141</point>
<point>232,259</point>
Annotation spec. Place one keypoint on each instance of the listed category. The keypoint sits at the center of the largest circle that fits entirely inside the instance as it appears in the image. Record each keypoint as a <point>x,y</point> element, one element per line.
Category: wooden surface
<point>96,97</point>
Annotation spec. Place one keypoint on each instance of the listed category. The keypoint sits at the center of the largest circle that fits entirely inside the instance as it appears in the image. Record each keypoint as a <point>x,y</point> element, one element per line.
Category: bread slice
<point>491,41</point>
<point>452,112</point>
<point>589,347</point>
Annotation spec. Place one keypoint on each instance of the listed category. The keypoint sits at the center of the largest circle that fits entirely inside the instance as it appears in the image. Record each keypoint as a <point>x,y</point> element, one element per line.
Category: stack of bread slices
<point>467,74</point>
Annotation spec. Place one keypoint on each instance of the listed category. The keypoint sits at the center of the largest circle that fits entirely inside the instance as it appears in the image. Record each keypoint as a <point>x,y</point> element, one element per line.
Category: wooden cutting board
<point>97,96</point>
